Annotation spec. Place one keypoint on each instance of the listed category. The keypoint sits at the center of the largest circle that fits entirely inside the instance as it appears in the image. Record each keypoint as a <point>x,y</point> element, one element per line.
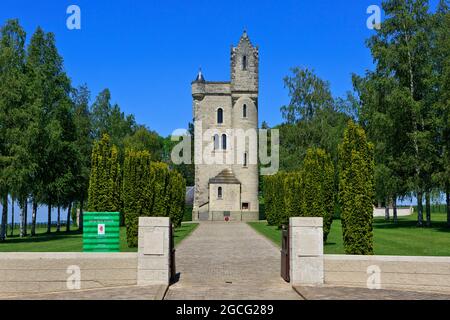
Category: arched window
<point>244,63</point>
<point>244,111</point>
<point>220,115</point>
<point>219,192</point>
<point>216,141</point>
<point>245,159</point>
<point>224,142</point>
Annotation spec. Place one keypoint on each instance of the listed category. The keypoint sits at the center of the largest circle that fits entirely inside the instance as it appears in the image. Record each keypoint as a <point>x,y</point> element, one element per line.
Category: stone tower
<point>227,189</point>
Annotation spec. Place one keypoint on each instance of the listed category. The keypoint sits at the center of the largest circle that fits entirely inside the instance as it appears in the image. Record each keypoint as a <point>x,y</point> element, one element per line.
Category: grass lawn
<point>73,241</point>
<point>404,239</point>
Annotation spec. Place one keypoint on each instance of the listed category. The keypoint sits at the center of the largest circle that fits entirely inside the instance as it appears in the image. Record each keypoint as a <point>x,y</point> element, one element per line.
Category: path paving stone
<point>228,260</point>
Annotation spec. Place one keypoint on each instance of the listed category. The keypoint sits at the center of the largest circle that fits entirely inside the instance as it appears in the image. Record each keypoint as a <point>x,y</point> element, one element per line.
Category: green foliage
<point>308,94</point>
<point>150,189</point>
<point>176,194</point>
<point>159,173</point>
<point>137,192</point>
<point>356,190</point>
<point>305,193</point>
<point>274,198</point>
<point>104,182</point>
<point>144,139</point>
<point>293,196</point>
<point>318,188</point>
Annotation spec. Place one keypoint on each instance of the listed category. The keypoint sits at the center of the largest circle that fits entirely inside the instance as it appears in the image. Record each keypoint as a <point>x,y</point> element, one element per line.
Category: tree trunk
<point>386,210</point>
<point>12,216</point>
<point>58,223</point>
<point>428,208</point>
<point>394,206</point>
<point>69,209</point>
<point>4,218</point>
<point>22,217</point>
<point>419,209</point>
<point>25,218</point>
<point>448,207</point>
<point>49,219</point>
<point>80,222</point>
<point>33,218</point>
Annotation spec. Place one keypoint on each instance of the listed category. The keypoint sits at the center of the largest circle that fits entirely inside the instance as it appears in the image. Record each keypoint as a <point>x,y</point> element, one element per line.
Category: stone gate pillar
<point>153,251</point>
<point>306,250</point>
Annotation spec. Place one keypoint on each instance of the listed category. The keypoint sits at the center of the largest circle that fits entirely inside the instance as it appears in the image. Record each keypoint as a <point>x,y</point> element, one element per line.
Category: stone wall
<point>33,272</point>
<point>153,265</point>
<point>309,266</point>
<point>395,272</point>
<point>230,200</point>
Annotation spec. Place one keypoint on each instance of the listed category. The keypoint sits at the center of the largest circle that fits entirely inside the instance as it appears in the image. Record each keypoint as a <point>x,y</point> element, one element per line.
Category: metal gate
<point>173,270</point>
<point>285,253</point>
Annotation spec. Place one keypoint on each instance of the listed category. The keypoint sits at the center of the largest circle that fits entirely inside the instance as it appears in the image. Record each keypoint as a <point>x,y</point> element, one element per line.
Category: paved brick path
<point>228,261</point>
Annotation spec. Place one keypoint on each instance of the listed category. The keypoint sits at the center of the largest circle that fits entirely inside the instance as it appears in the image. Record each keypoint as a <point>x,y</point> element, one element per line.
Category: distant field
<point>404,239</point>
<point>73,241</point>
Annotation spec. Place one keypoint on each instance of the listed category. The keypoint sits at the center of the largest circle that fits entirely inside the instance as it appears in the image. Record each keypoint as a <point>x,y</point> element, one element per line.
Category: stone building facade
<point>227,189</point>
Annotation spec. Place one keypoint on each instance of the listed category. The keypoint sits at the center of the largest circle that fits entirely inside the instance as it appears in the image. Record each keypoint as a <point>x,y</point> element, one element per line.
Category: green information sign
<point>101,231</point>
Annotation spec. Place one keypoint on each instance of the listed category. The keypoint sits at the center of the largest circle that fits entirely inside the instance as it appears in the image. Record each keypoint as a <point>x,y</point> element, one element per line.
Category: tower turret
<point>244,66</point>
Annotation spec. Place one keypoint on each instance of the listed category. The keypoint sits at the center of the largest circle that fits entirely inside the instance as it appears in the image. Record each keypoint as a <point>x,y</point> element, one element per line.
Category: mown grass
<point>73,241</point>
<point>403,238</point>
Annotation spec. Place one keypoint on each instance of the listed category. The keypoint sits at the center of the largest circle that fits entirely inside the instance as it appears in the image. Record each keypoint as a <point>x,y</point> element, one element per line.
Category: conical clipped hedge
<point>307,193</point>
<point>356,190</point>
<point>136,191</point>
<point>176,193</point>
<point>274,198</point>
<point>293,196</point>
<point>104,182</point>
<point>318,187</point>
<point>150,189</point>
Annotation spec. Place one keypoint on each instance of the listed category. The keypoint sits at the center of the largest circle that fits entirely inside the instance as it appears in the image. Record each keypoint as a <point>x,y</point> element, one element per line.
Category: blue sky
<point>148,52</point>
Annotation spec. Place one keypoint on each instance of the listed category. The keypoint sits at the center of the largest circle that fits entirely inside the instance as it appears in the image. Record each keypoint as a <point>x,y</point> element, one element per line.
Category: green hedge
<point>274,199</point>
<point>356,190</point>
<point>307,193</point>
<point>150,189</point>
<point>104,181</point>
<point>318,187</point>
<point>136,190</point>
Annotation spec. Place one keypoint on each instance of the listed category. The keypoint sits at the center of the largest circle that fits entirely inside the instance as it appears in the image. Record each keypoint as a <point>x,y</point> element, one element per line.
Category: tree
<point>108,119</point>
<point>294,196</point>
<point>274,199</point>
<point>52,141</point>
<point>84,142</point>
<point>441,84</point>
<point>312,118</point>
<point>136,192</point>
<point>104,182</point>
<point>308,94</point>
<point>150,189</point>
<point>12,100</point>
<point>401,50</point>
<point>145,139</point>
<point>356,190</point>
<point>318,187</point>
